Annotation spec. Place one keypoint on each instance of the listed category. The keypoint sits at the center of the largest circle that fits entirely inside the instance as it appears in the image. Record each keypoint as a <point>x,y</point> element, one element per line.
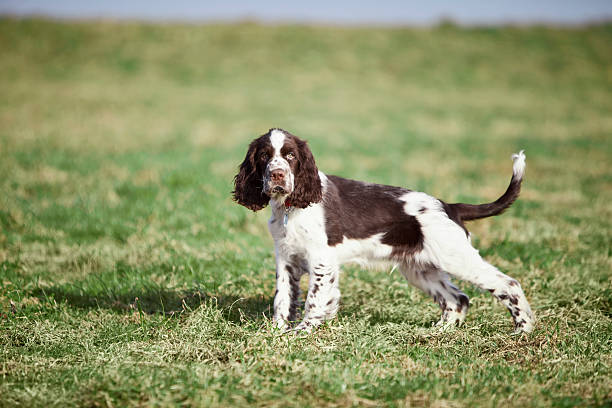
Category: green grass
<point>129,277</point>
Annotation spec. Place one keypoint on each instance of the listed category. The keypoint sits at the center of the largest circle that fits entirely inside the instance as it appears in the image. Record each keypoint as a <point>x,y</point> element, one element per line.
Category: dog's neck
<point>281,208</point>
<point>280,204</point>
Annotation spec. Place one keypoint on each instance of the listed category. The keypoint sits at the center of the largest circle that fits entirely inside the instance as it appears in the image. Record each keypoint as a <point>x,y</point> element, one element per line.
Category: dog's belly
<point>364,251</point>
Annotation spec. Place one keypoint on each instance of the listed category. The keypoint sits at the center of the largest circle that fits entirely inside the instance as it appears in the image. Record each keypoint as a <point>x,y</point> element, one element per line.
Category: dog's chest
<point>302,230</point>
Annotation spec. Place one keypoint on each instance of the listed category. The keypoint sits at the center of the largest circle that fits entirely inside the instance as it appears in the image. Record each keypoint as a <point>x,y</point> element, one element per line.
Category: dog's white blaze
<point>277,139</point>
<point>278,162</point>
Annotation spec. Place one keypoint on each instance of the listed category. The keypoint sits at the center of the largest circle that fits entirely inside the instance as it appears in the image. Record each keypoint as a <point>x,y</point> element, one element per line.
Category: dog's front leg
<point>323,296</point>
<point>287,293</point>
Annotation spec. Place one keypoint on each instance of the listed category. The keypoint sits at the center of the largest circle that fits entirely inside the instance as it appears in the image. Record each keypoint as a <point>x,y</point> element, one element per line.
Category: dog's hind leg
<point>504,288</point>
<point>436,283</point>
<point>446,247</point>
<point>464,262</point>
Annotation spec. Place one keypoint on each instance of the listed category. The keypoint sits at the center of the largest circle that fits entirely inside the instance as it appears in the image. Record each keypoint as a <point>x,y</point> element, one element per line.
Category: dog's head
<point>277,166</point>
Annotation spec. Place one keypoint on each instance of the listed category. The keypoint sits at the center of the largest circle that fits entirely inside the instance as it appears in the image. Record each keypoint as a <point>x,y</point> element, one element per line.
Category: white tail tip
<point>518,167</point>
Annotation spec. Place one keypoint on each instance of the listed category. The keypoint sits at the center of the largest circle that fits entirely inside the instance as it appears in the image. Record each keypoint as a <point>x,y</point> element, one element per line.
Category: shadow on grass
<point>166,302</point>
<point>176,303</point>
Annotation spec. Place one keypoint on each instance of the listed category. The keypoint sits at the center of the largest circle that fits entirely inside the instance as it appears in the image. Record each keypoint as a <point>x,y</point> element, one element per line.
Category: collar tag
<point>287,209</point>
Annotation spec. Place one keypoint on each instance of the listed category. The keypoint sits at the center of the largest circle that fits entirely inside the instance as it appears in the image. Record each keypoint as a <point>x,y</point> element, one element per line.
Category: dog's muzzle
<point>277,182</point>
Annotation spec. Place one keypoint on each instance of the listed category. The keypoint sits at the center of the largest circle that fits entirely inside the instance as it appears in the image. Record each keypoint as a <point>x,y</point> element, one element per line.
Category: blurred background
<point>338,12</point>
<point>122,125</point>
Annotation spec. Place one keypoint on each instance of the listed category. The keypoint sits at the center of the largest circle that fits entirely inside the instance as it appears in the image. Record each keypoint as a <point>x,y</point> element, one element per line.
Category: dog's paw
<point>446,326</point>
<point>523,326</point>
<point>304,327</point>
<point>450,320</point>
<point>280,325</point>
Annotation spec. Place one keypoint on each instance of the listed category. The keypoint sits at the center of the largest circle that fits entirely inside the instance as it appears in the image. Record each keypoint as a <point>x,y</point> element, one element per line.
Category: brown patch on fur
<point>307,188</point>
<point>464,301</point>
<point>358,210</point>
<point>248,183</point>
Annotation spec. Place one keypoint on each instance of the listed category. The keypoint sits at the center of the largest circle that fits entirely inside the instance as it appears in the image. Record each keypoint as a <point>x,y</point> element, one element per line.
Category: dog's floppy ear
<point>248,183</point>
<point>307,182</point>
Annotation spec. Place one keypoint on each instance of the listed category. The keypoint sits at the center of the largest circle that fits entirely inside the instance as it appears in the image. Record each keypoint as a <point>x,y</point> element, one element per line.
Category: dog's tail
<point>468,212</point>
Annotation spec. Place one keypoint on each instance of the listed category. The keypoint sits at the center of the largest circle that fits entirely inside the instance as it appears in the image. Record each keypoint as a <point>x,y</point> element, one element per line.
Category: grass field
<point>129,277</point>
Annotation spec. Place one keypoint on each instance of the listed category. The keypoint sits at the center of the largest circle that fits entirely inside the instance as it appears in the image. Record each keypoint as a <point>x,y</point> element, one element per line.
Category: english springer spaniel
<point>321,221</point>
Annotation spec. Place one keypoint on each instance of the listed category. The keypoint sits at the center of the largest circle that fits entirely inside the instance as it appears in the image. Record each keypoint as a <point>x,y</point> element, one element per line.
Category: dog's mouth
<point>273,190</point>
<point>279,190</point>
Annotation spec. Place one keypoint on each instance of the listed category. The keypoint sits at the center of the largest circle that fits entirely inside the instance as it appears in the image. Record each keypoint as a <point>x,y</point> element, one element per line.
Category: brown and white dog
<point>320,222</point>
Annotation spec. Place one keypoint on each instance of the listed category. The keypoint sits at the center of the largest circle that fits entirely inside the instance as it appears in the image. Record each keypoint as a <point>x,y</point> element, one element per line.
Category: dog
<point>320,222</point>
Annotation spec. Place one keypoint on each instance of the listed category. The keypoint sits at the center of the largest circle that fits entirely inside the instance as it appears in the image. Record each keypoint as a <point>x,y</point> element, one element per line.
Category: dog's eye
<point>290,156</point>
<point>263,157</point>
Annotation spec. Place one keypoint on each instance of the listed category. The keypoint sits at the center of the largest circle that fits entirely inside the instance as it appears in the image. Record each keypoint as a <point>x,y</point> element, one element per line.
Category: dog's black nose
<point>277,176</point>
